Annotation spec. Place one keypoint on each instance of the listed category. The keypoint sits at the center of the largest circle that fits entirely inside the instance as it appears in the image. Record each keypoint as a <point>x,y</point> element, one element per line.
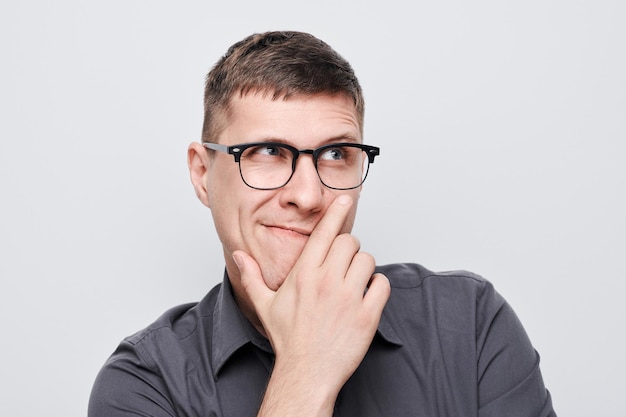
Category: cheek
<point>226,218</point>
<point>237,215</point>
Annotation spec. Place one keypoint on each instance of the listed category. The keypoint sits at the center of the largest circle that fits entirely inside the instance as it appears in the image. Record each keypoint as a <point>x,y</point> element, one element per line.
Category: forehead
<point>304,121</point>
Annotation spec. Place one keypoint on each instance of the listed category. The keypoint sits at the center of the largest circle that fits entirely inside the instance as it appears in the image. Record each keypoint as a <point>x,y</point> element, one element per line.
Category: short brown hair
<point>281,64</point>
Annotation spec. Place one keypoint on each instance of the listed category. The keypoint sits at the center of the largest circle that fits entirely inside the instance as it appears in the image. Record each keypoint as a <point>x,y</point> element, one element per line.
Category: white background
<point>502,128</point>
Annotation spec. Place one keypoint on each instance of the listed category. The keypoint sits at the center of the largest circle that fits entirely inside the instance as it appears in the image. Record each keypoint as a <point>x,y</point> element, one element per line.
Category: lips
<point>291,229</point>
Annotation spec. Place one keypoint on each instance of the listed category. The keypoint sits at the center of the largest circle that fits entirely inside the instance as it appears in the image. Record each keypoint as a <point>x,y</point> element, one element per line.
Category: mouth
<point>289,230</point>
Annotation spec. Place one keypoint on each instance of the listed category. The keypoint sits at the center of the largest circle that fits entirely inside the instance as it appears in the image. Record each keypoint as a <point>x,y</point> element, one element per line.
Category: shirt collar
<point>232,330</point>
<point>386,330</point>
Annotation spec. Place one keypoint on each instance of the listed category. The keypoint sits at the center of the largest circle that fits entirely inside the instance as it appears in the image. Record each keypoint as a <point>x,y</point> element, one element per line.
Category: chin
<point>276,273</point>
<point>276,259</point>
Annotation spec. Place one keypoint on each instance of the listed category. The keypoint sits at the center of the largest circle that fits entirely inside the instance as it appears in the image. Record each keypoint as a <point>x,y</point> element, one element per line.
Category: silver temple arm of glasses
<point>217,147</point>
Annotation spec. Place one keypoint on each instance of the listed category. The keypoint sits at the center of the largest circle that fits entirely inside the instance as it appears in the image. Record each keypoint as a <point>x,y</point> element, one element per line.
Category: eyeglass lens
<point>271,166</point>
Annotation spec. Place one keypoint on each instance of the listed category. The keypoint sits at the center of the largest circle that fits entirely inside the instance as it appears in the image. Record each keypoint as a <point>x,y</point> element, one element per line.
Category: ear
<point>198,162</point>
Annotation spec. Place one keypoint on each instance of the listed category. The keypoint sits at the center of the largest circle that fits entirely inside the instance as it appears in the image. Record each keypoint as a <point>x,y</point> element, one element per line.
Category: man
<point>304,323</point>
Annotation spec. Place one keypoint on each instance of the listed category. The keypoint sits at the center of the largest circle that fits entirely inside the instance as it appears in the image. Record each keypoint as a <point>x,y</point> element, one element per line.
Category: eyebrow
<point>336,139</point>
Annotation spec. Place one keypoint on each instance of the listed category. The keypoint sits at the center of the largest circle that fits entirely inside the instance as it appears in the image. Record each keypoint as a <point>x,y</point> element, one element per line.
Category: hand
<point>321,321</point>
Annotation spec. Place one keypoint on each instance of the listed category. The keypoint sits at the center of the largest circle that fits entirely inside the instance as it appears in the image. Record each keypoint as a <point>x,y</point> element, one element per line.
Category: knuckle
<point>383,286</point>
<point>365,259</point>
<point>347,239</point>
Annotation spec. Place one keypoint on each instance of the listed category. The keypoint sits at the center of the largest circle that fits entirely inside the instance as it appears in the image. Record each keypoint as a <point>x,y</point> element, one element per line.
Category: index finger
<point>324,234</point>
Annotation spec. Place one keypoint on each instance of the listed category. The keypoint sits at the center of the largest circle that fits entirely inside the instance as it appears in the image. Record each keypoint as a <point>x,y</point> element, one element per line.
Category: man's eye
<point>265,150</point>
<point>268,150</point>
<point>333,154</point>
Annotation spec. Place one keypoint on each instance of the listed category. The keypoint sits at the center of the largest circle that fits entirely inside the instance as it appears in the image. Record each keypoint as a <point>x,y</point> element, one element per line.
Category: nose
<point>304,190</point>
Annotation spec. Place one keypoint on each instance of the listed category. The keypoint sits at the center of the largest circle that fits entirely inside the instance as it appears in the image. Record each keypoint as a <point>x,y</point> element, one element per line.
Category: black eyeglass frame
<point>237,150</point>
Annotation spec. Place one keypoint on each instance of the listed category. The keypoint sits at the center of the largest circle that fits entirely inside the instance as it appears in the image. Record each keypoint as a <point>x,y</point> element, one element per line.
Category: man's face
<point>272,226</point>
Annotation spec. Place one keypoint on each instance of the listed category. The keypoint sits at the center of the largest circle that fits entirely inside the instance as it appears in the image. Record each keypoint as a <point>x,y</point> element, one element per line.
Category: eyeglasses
<point>270,165</point>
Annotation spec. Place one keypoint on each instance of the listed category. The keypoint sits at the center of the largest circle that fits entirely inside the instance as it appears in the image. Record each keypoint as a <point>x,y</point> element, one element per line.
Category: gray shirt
<point>447,345</point>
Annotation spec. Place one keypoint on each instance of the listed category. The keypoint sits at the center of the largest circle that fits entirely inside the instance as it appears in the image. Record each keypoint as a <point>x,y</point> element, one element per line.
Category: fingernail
<point>344,199</point>
<point>238,260</point>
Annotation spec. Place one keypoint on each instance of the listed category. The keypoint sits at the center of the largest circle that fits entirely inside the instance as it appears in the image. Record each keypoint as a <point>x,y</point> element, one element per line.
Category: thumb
<point>252,280</point>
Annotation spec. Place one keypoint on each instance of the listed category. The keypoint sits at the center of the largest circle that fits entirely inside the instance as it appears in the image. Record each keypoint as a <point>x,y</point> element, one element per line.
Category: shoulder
<point>455,299</point>
<point>145,366</point>
<point>168,333</point>
<point>175,334</point>
<point>412,275</point>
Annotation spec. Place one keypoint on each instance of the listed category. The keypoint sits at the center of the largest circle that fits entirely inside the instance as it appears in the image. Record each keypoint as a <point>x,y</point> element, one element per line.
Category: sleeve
<point>509,379</point>
<point>126,386</point>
